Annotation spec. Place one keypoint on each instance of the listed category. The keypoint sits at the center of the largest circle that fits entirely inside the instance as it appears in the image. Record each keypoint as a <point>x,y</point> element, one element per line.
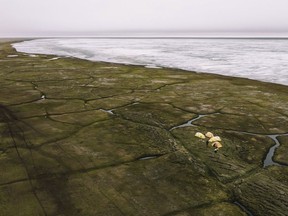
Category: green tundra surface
<point>92,138</point>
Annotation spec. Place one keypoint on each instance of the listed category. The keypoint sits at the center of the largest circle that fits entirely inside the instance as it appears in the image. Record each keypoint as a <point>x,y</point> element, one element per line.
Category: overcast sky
<point>92,17</point>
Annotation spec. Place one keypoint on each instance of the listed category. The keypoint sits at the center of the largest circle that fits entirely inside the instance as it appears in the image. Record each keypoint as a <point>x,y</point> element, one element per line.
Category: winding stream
<point>269,157</point>
<point>268,161</point>
<point>188,124</point>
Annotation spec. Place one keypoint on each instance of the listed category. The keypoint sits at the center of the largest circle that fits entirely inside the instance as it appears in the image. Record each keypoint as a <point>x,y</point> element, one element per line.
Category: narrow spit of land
<point>91,138</point>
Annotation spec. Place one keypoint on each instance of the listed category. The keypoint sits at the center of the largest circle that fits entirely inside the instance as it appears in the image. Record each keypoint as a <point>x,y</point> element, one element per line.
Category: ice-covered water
<point>260,59</point>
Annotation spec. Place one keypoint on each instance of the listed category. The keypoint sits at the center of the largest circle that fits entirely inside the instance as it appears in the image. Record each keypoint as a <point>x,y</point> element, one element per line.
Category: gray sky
<point>92,17</point>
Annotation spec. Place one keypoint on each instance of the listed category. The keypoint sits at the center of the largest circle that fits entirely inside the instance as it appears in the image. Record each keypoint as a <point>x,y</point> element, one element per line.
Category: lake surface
<point>259,59</point>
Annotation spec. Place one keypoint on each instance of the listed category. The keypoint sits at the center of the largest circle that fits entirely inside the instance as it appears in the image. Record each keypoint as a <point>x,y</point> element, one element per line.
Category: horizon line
<point>147,37</point>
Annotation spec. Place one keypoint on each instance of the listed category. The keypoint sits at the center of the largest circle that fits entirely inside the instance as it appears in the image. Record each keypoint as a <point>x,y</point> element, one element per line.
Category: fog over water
<point>259,59</point>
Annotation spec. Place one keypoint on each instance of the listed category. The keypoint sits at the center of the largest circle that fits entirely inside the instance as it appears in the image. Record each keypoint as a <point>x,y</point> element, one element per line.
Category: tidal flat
<point>94,138</point>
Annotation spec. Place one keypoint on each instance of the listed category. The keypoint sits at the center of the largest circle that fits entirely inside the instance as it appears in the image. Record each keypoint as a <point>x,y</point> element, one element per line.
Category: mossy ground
<point>92,138</point>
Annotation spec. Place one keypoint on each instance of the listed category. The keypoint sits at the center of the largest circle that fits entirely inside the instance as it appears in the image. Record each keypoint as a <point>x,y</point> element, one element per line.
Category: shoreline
<point>13,40</point>
<point>141,65</point>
